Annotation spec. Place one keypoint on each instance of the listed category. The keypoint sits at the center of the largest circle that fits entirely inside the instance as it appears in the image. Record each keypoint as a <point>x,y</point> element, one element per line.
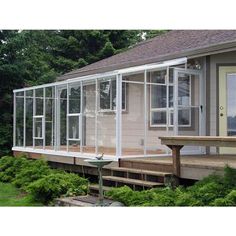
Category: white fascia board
<point>63,153</point>
<point>111,73</point>
<point>153,66</point>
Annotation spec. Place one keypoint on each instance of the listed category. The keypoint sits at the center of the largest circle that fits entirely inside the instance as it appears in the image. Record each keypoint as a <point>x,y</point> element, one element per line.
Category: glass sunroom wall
<point>74,117</point>
<point>106,116</point>
<point>88,141</point>
<point>19,119</point>
<point>49,117</point>
<point>29,118</point>
<point>133,126</point>
<point>159,103</point>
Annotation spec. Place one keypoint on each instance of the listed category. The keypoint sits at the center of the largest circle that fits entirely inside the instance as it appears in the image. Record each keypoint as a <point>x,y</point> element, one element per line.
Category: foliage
<point>10,167</point>
<point>214,190</point>
<point>55,185</point>
<point>33,171</point>
<point>41,182</point>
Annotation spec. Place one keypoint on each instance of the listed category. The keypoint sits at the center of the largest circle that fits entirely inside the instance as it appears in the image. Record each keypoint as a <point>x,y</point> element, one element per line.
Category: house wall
<point>222,59</point>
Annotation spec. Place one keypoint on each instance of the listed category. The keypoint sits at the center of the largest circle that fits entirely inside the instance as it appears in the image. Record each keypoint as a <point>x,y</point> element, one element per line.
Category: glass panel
<point>38,143</point>
<point>88,121</point>
<point>29,121</point>
<point>106,124</point>
<point>184,117</point>
<point>171,96</point>
<point>105,94</point>
<point>39,102</point>
<point>74,98</point>
<point>19,121</point>
<point>74,146</point>
<point>171,75</point>
<point>38,127</point>
<point>153,143</point>
<point>158,77</point>
<point>63,117</point>
<point>49,118</point>
<point>113,95</point>
<point>133,120</point>
<point>158,96</point>
<point>49,92</point>
<point>159,118</point>
<point>73,127</point>
<point>231,104</point>
<point>184,89</point>
<point>19,94</point>
<point>29,93</point>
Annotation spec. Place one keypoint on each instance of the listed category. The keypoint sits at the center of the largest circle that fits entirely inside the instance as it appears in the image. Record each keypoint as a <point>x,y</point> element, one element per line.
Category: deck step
<point>132,181</point>
<point>140,171</point>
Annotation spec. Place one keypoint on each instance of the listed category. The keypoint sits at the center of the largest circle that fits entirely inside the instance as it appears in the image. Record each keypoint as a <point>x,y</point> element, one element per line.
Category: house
<point>180,83</point>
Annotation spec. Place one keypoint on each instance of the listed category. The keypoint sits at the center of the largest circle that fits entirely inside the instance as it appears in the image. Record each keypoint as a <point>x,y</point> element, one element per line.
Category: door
<point>189,100</point>
<point>227,104</point>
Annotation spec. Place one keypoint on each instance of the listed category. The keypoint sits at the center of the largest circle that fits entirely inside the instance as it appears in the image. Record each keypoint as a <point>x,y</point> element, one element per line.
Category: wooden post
<point>176,159</point>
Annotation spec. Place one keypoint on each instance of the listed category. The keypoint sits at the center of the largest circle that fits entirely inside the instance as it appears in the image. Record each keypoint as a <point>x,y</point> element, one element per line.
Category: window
<point>107,95</point>
<point>161,106</point>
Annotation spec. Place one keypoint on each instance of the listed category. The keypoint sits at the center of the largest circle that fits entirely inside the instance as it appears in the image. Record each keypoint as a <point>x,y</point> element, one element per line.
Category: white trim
<point>145,113</point>
<point>61,153</point>
<point>118,116</point>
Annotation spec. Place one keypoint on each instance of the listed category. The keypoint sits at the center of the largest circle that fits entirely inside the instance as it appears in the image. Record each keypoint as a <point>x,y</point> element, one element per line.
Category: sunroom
<point>119,113</point>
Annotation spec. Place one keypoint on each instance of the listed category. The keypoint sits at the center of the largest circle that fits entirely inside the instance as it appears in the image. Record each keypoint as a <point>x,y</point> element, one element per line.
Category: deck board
<point>195,160</point>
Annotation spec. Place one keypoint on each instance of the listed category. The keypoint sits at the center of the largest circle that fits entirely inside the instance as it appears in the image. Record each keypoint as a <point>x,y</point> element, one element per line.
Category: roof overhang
<point>125,71</point>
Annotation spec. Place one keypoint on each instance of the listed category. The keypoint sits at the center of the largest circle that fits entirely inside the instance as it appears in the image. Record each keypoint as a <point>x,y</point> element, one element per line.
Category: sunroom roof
<point>171,45</point>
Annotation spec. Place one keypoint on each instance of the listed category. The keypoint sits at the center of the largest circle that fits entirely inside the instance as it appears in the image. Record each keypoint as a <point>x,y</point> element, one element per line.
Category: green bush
<point>56,185</point>
<point>214,190</point>
<point>10,167</point>
<point>229,178</point>
<point>33,171</point>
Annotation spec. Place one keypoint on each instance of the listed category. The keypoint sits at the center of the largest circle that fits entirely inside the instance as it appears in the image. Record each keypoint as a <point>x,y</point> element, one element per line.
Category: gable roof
<point>171,45</point>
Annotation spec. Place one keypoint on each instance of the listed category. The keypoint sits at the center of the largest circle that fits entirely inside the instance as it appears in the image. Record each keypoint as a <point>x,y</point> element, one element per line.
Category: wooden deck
<point>192,166</point>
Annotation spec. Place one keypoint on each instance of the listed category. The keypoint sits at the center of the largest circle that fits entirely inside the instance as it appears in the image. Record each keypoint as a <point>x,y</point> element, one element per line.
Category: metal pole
<point>100,198</point>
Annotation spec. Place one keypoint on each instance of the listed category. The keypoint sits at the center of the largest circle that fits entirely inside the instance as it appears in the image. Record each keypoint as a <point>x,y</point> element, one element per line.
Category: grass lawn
<point>11,196</point>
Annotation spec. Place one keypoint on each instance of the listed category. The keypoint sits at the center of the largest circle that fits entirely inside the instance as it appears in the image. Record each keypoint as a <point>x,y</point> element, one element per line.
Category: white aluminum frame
<point>94,80</point>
